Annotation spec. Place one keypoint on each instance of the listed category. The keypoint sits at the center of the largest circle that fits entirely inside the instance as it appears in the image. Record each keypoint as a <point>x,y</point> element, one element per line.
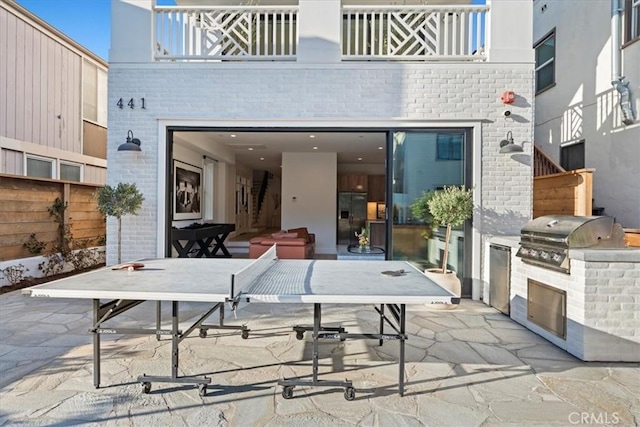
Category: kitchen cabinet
<point>376,188</point>
<point>377,233</point>
<point>357,183</point>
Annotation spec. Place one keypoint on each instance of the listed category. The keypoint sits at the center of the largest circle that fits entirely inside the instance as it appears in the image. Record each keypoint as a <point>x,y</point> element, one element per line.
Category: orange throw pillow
<point>283,235</point>
<point>302,232</point>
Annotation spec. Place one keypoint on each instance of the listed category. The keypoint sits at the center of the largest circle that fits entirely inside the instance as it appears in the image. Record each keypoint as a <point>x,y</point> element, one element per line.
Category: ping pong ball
<point>130,268</point>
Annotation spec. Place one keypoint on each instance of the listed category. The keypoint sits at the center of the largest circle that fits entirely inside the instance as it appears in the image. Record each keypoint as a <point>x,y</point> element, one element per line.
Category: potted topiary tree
<point>449,207</point>
<point>124,199</point>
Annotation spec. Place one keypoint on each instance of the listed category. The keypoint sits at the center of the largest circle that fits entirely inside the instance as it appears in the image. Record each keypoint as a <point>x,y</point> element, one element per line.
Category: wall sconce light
<point>132,144</point>
<point>508,146</point>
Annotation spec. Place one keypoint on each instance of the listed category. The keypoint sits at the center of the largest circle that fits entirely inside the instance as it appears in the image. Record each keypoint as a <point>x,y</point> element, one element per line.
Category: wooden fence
<point>567,193</point>
<point>24,203</point>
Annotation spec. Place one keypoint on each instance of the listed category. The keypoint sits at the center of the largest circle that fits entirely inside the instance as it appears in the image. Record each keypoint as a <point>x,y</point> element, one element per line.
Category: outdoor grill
<point>545,241</point>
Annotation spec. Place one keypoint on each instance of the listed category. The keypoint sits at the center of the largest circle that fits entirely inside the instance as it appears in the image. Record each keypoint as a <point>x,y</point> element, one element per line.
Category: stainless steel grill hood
<point>546,240</point>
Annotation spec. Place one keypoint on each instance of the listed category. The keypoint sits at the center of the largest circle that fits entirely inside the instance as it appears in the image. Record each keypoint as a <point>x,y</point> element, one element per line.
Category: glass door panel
<point>425,161</point>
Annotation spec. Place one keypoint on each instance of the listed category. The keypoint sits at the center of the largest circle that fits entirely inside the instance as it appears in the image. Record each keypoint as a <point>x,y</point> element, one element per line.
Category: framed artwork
<point>187,190</point>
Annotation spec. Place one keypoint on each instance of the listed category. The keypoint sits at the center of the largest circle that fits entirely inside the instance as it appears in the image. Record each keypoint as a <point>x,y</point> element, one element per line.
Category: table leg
<point>183,251</point>
<point>381,341</point>
<point>158,318</point>
<point>317,309</point>
<point>96,344</point>
<point>220,246</point>
<point>204,248</point>
<point>403,321</point>
<point>175,335</point>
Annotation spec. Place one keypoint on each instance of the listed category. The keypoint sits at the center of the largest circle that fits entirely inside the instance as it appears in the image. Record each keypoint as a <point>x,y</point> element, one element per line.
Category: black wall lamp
<point>132,144</point>
<point>508,146</point>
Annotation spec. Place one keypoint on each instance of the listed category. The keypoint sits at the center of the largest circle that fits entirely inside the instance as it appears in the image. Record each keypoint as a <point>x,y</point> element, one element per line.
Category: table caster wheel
<point>245,334</point>
<point>299,335</point>
<point>202,389</point>
<point>349,393</point>
<point>146,387</point>
<point>203,333</point>
<point>287,392</point>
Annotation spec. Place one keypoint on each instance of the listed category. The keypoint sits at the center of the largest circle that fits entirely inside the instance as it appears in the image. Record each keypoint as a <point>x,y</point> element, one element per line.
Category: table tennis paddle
<point>129,266</point>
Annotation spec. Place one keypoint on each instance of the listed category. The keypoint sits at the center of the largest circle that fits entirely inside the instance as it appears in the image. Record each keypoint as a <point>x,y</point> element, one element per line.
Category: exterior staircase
<point>544,165</point>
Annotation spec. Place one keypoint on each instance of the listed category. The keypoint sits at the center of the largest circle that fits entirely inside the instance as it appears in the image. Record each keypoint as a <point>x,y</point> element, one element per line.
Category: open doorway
<point>271,179</point>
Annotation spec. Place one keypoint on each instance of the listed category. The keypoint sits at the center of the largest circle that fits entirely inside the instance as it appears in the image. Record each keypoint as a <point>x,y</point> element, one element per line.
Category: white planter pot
<point>447,280</point>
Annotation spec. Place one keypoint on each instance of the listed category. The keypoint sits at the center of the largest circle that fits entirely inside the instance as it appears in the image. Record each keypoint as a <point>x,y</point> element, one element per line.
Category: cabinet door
<point>376,187</point>
<point>352,183</point>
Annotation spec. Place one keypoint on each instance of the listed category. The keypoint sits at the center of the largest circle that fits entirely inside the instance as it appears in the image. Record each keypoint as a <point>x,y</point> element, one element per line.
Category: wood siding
<point>12,162</point>
<point>41,86</point>
<point>95,175</point>
<point>567,193</point>
<point>95,140</point>
<point>24,204</point>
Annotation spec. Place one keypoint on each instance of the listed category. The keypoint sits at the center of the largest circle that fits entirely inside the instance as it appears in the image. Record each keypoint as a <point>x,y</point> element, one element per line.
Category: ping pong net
<point>244,278</point>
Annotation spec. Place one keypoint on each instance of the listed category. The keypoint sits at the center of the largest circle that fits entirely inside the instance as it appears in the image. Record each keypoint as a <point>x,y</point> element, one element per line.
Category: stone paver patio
<point>467,367</point>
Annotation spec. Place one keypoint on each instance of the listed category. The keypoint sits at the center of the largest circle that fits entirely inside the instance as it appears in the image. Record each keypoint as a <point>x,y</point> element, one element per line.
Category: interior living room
<point>334,182</point>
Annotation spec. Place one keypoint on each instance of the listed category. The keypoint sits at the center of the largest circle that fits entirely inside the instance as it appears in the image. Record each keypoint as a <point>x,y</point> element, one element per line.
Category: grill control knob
<point>556,258</point>
<point>544,255</point>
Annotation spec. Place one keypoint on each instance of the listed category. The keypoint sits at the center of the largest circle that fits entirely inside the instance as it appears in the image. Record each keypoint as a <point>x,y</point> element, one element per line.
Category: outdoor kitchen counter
<point>601,301</point>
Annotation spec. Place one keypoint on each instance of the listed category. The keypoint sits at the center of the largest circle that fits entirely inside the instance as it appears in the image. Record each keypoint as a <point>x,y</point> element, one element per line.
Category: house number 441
<point>131,104</point>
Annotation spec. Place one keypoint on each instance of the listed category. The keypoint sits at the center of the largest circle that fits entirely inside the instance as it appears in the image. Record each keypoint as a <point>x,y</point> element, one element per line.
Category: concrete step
<point>237,248</point>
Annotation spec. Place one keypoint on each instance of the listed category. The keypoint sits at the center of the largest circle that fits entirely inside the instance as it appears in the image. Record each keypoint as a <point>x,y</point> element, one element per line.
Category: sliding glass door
<point>424,161</point>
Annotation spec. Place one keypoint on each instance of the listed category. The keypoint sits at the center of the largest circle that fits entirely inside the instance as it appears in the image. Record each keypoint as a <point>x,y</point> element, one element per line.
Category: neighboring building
<point>309,90</point>
<point>53,102</point>
<point>588,96</point>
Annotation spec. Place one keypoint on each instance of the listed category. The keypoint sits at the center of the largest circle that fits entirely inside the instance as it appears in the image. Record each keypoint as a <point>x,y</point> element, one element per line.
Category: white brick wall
<point>425,94</point>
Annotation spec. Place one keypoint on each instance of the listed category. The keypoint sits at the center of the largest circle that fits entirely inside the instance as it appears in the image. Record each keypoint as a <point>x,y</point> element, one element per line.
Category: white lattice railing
<point>244,33</point>
<point>414,32</point>
<point>226,33</point>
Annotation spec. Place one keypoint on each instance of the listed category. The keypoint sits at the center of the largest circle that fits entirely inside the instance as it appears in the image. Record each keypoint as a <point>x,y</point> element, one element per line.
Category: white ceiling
<point>263,150</point>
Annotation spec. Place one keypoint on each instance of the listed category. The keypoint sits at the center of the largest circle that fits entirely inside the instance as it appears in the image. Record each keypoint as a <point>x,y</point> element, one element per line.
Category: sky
<point>88,22</point>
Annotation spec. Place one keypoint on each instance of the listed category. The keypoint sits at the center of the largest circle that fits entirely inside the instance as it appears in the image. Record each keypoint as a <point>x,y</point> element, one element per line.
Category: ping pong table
<point>388,285</point>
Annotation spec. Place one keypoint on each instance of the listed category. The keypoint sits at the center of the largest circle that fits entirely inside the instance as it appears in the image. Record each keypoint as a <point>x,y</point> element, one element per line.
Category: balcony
<point>361,33</point>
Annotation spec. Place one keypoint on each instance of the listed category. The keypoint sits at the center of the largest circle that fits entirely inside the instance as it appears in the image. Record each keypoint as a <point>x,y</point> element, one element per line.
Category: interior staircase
<point>261,181</point>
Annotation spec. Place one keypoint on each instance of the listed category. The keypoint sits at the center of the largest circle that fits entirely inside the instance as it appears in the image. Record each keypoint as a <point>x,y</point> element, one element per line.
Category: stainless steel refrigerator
<point>352,216</point>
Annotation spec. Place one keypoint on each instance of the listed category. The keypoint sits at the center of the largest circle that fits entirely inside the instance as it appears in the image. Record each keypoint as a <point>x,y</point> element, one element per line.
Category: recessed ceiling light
<point>233,135</point>
<point>312,136</point>
<point>261,158</point>
<point>359,158</point>
<point>250,148</point>
<point>380,148</point>
<point>315,148</point>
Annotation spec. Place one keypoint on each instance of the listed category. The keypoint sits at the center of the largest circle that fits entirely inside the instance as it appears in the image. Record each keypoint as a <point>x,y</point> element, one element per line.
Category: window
<point>449,147</point>
<point>94,93</point>
<point>70,172</point>
<point>572,156</point>
<point>632,19</point>
<point>545,62</point>
<point>39,167</point>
